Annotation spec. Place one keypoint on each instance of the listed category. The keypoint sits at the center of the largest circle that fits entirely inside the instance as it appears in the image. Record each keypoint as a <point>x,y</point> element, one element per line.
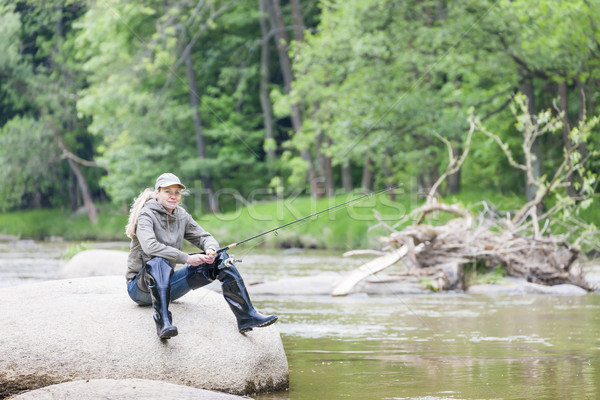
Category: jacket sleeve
<point>198,236</point>
<point>152,247</point>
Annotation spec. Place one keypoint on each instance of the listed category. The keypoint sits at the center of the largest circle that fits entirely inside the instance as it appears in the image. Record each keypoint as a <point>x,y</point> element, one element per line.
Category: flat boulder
<point>320,284</point>
<point>95,263</point>
<point>324,283</point>
<point>518,286</point>
<point>88,328</point>
<point>122,389</point>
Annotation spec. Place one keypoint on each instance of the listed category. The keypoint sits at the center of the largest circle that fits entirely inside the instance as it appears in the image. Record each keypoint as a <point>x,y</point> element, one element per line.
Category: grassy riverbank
<point>342,229</point>
<point>46,224</point>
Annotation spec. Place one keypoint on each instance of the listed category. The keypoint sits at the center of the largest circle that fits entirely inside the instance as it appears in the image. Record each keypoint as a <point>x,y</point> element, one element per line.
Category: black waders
<point>234,291</point>
<point>158,274</point>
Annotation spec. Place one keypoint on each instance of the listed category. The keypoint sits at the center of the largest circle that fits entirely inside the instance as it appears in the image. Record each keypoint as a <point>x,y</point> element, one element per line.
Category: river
<point>433,347</point>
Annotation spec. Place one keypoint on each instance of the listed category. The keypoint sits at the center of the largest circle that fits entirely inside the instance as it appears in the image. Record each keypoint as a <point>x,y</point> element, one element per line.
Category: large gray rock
<point>389,285</point>
<point>591,271</point>
<point>123,389</point>
<point>95,263</point>
<point>518,286</point>
<point>320,284</point>
<point>88,328</point>
<point>323,284</point>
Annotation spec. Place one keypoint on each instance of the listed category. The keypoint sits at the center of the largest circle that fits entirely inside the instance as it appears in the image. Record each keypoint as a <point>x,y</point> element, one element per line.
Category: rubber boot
<point>237,297</point>
<point>159,273</point>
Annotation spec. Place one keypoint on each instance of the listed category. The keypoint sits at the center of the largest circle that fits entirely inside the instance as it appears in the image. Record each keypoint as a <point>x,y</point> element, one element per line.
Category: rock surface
<point>88,328</point>
<point>323,284</point>
<point>95,263</point>
<point>320,284</point>
<point>517,286</point>
<point>393,284</point>
<point>123,389</point>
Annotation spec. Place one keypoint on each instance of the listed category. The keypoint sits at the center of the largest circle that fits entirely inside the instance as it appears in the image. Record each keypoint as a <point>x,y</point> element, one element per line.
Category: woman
<point>157,227</point>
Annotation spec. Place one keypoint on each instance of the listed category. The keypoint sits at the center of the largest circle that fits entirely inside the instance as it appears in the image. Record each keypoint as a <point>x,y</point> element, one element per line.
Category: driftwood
<point>423,248</point>
<point>546,260</point>
<point>344,286</point>
<point>522,245</point>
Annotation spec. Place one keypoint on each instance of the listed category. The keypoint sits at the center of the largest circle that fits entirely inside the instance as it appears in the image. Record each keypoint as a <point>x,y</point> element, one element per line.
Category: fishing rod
<point>231,246</point>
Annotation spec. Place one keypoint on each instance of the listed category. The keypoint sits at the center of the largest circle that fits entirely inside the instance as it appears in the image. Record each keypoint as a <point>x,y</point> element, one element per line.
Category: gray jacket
<point>160,234</point>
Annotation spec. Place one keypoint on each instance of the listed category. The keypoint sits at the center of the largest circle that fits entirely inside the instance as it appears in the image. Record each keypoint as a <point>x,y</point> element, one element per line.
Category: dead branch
<point>430,208</point>
<point>523,244</point>
<point>454,164</point>
<point>67,154</point>
<point>363,252</point>
<point>503,146</point>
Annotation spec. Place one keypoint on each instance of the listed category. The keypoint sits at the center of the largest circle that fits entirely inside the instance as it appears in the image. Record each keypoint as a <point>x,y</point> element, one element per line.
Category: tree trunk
<point>563,105</point>
<point>326,168</point>
<point>389,177</point>
<point>347,177</point>
<point>281,41</point>
<point>536,164</point>
<point>265,101</point>
<point>298,20</point>
<point>328,173</point>
<point>367,176</point>
<point>286,70</point>
<point>200,147</point>
<point>88,203</point>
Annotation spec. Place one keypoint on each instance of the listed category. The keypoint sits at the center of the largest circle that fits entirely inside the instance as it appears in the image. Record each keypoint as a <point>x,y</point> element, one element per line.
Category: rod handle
<point>231,246</point>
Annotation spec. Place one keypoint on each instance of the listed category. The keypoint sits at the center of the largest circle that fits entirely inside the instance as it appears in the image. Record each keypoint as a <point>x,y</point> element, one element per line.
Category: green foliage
<point>39,81</point>
<point>343,229</point>
<point>479,273</point>
<point>27,169</point>
<point>381,77</point>
<point>45,223</point>
<point>78,248</point>
<point>428,284</point>
<point>375,79</point>
<point>141,103</point>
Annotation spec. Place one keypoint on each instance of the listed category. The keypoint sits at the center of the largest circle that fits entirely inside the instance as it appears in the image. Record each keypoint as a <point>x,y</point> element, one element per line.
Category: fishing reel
<point>230,262</point>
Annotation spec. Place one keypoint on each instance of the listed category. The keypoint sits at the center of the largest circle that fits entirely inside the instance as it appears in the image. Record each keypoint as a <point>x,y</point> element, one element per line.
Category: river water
<point>441,346</point>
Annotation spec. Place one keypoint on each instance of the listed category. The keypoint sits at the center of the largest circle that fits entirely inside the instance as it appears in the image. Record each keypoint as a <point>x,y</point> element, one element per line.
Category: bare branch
<point>67,154</point>
<point>502,145</point>
<point>363,252</point>
<point>454,165</point>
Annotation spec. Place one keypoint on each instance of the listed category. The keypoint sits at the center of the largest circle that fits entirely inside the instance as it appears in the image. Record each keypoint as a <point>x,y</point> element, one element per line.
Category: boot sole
<point>267,323</point>
<point>169,334</point>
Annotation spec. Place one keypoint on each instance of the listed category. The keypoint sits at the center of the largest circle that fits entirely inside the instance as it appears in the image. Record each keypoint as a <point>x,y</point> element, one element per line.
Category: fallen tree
<point>522,243</point>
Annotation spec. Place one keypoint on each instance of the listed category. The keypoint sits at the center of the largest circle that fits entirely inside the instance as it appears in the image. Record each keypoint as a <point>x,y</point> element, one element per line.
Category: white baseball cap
<point>167,179</point>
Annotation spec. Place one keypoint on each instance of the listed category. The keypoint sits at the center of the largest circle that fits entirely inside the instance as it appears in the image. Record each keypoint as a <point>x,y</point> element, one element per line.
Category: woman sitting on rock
<point>157,227</point>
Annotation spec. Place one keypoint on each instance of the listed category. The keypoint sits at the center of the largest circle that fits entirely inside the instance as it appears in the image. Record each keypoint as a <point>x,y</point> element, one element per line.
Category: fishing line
<point>346,204</point>
<point>275,233</point>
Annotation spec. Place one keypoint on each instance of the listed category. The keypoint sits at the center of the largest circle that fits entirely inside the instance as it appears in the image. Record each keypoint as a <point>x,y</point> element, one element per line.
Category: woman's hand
<point>210,256</point>
<point>197,259</point>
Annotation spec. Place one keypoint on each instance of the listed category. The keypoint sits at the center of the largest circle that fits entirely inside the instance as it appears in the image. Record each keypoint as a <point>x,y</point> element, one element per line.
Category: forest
<point>259,99</point>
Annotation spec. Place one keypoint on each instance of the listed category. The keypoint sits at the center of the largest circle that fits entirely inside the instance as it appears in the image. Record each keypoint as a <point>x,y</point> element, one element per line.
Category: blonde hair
<point>134,211</point>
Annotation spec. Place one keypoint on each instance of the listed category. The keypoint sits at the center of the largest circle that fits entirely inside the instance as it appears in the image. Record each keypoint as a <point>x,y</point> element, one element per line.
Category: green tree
<point>41,85</point>
<point>381,79</point>
<point>143,60</point>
